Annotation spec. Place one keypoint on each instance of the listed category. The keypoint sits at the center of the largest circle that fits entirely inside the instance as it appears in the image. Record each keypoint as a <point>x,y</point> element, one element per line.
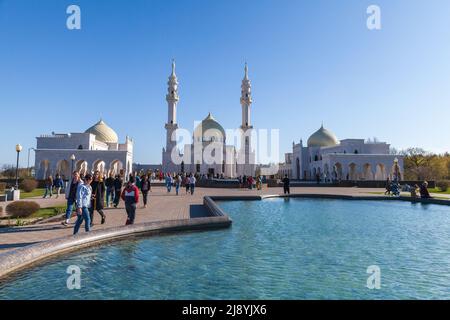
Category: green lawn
<point>35,193</point>
<point>49,212</point>
<point>437,190</point>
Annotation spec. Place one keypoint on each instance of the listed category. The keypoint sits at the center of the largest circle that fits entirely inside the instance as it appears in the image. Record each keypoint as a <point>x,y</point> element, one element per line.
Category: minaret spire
<point>173,68</point>
<point>246,99</point>
<point>246,71</point>
<point>172,96</point>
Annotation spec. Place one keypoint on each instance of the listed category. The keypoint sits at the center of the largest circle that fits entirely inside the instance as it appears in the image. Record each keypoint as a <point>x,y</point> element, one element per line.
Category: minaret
<point>248,168</point>
<point>246,100</point>
<point>172,100</point>
<point>171,125</point>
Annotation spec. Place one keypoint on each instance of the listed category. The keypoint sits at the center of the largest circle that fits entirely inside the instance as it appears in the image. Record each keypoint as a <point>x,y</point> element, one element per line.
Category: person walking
<point>48,187</point>
<point>169,182</point>
<point>250,182</point>
<point>286,185</point>
<point>192,182</point>
<point>259,183</point>
<point>244,181</point>
<point>58,184</point>
<point>71,196</point>
<point>130,195</point>
<point>145,188</point>
<point>138,180</point>
<point>109,184</point>
<point>178,181</point>
<point>98,194</point>
<point>83,202</point>
<point>187,183</point>
<point>118,183</point>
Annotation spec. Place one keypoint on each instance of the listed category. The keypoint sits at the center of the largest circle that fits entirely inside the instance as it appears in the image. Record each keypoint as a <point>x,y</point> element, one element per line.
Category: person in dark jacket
<point>130,195</point>
<point>388,187</point>
<point>98,197</point>
<point>286,185</point>
<point>109,183</point>
<point>48,187</point>
<point>58,184</point>
<point>145,188</point>
<point>71,194</point>
<point>118,183</point>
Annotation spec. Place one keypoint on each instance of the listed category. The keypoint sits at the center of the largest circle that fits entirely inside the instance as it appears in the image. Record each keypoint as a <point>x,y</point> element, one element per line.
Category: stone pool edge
<point>332,196</point>
<point>21,258</point>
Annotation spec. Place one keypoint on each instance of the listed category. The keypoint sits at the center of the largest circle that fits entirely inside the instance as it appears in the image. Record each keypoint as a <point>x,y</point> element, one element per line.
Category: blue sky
<point>309,61</point>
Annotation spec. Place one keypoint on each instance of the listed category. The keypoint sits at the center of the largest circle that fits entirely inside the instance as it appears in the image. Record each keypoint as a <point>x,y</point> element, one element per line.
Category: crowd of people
<point>88,193</point>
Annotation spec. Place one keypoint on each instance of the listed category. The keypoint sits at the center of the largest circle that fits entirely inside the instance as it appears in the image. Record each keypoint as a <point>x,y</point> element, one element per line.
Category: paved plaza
<point>162,206</point>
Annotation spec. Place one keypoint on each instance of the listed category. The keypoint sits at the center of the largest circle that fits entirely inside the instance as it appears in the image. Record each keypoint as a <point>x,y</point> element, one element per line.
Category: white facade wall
<point>352,159</point>
<point>53,155</point>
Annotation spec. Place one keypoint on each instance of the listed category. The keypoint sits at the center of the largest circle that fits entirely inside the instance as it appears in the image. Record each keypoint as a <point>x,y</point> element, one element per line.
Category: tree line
<point>420,164</point>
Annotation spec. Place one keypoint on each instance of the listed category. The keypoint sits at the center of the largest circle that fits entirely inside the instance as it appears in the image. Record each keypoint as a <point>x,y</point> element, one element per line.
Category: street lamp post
<point>72,157</point>
<point>18,149</point>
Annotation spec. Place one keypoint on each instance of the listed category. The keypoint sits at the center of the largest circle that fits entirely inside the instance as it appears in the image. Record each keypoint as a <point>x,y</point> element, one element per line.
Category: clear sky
<point>309,61</point>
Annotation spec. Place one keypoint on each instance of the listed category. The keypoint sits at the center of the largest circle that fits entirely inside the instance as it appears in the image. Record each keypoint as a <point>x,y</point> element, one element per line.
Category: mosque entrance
<point>211,171</point>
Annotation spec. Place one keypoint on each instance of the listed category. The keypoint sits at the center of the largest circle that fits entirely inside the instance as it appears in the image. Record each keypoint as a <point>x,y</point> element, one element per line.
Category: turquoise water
<point>276,249</point>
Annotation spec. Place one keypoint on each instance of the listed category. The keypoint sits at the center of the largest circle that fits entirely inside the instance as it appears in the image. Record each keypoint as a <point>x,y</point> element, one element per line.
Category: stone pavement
<point>162,206</point>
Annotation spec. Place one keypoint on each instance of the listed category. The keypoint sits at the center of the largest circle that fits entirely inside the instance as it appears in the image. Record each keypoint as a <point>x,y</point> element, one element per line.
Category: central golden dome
<point>209,130</point>
<point>103,132</point>
<point>322,138</point>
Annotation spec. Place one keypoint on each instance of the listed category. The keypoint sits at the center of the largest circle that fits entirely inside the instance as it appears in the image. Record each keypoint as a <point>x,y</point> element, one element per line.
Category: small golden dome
<point>322,138</point>
<point>103,132</point>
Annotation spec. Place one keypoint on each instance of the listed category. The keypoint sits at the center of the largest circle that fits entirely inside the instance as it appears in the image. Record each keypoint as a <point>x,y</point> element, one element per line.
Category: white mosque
<point>97,148</point>
<point>209,152</point>
<point>329,159</point>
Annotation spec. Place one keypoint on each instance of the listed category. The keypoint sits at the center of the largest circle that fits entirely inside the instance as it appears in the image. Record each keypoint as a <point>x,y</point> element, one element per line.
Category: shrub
<point>28,185</point>
<point>442,185</point>
<point>2,187</point>
<point>22,208</point>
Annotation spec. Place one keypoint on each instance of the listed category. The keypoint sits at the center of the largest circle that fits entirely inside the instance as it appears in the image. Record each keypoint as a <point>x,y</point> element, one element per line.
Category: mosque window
<point>80,147</point>
<point>356,151</point>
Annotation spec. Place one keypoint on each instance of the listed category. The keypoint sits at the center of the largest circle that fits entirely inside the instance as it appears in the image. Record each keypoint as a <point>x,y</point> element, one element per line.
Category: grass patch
<point>437,190</point>
<point>35,193</point>
<point>49,212</point>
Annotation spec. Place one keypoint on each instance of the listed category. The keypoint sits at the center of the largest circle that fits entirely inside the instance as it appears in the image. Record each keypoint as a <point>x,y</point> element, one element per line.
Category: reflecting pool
<point>275,249</point>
